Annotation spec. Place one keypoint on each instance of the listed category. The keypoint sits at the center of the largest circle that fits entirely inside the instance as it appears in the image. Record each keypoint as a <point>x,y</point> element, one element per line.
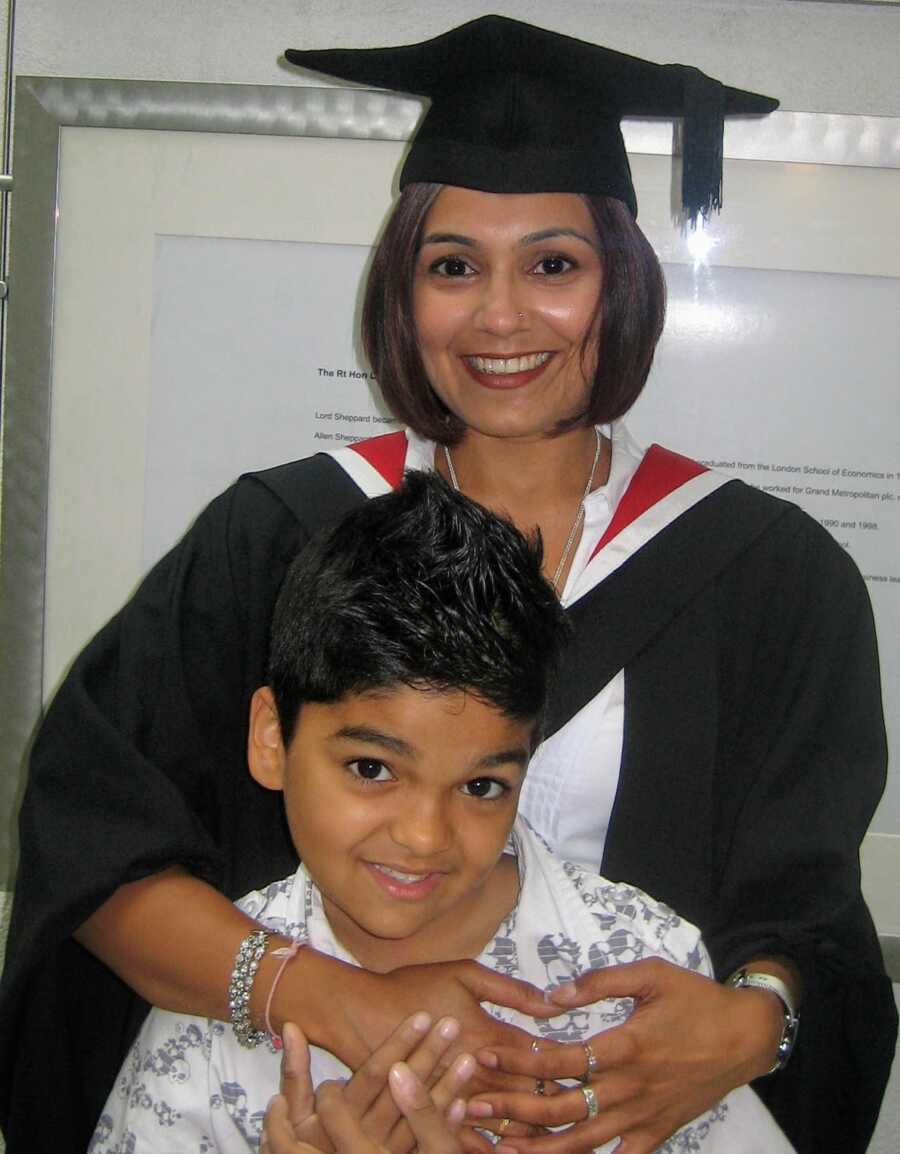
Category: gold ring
<point>536,1046</point>
<point>590,1100</point>
<point>540,1087</point>
<point>591,1062</point>
<point>505,1124</point>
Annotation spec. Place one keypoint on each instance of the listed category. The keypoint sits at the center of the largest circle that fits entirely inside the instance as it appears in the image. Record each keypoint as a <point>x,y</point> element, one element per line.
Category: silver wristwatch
<point>754,980</point>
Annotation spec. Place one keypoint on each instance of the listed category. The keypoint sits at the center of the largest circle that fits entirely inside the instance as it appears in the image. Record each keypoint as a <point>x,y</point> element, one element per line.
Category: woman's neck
<point>503,472</point>
<point>537,483</point>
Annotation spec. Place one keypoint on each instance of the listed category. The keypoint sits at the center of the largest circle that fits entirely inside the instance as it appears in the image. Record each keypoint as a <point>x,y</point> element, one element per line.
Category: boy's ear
<point>265,748</point>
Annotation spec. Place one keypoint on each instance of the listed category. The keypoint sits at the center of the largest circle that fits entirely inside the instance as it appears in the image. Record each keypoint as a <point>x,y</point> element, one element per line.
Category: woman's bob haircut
<point>627,323</point>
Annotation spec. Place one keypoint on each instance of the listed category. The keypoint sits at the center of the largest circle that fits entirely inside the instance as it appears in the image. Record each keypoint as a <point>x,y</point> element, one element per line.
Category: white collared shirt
<point>187,1086</point>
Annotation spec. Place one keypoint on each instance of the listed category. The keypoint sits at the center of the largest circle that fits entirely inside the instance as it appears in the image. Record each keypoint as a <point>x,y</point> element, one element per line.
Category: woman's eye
<point>451,266</point>
<point>485,787</point>
<point>553,265</point>
<point>368,769</point>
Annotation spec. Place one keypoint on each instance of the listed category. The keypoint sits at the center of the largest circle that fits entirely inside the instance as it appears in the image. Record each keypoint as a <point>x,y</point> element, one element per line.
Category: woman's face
<point>506,289</point>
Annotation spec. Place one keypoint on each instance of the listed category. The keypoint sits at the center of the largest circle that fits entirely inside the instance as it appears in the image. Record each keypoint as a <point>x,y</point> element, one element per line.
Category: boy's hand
<point>383,1109</point>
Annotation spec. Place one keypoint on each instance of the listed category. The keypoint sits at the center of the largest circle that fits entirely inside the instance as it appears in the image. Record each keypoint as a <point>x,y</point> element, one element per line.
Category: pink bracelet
<point>286,953</point>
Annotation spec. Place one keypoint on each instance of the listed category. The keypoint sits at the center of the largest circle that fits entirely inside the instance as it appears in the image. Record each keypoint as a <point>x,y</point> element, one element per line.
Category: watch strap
<point>745,979</point>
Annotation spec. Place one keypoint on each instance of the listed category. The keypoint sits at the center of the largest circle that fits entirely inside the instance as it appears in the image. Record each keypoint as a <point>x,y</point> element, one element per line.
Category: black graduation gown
<point>753,759</point>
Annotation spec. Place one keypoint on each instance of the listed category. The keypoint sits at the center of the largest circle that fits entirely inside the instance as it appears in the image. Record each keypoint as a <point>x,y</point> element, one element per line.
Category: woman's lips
<point>404,886</point>
<point>507,372</point>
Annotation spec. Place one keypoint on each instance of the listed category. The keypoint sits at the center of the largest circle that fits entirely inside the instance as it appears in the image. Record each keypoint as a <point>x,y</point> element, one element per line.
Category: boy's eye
<point>370,769</point>
<point>485,787</point>
<point>451,266</point>
<point>553,265</point>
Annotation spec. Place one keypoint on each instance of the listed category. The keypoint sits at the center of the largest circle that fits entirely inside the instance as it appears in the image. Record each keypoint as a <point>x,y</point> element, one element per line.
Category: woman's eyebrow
<point>450,238</point>
<point>523,242</point>
<point>550,233</point>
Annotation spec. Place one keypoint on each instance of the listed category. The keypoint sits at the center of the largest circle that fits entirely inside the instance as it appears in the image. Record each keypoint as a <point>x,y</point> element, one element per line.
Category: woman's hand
<point>383,1109</point>
<point>361,1009</point>
<point>688,1042</point>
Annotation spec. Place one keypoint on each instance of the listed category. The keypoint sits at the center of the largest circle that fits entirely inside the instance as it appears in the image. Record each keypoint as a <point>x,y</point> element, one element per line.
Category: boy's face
<point>400,803</point>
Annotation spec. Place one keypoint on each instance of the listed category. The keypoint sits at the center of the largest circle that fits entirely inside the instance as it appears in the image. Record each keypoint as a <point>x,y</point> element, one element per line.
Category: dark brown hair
<point>627,324</point>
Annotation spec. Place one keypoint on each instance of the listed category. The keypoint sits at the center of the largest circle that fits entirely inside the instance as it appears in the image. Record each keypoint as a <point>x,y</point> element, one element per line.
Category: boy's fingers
<point>296,1084</point>
<point>370,1079</point>
<point>427,1060</point>
<point>430,1128</point>
<point>341,1126</point>
<point>450,1085</point>
<point>383,1118</point>
<point>445,1096</point>
<point>278,1133</point>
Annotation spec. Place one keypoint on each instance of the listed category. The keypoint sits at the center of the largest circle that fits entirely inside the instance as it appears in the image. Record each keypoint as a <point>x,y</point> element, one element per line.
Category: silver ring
<point>590,1100</point>
<point>591,1062</point>
<point>540,1087</point>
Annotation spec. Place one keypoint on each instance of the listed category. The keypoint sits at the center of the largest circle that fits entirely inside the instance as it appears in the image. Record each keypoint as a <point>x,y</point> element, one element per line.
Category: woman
<point>716,737</point>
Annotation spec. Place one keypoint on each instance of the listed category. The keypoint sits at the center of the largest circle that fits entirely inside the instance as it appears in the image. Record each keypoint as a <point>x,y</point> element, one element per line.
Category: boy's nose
<point>422,829</point>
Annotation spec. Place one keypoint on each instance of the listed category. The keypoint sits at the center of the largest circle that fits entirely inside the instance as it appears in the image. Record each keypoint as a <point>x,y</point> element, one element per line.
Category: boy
<point>410,657</point>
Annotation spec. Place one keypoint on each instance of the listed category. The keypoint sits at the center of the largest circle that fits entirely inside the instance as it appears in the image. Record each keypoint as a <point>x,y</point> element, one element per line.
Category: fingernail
<point>456,1112</point>
<point>481,1110</point>
<point>563,992</point>
<point>449,1029</point>
<point>486,1058</point>
<point>464,1066</point>
<point>420,1021</point>
<point>401,1075</point>
<point>289,1043</point>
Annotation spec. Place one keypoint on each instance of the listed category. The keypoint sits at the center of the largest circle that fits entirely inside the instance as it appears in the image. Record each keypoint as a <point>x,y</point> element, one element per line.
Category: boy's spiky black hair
<point>421,587</point>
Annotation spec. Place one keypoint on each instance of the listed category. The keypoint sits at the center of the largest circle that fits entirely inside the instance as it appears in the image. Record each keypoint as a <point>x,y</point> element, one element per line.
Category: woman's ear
<point>265,748</point>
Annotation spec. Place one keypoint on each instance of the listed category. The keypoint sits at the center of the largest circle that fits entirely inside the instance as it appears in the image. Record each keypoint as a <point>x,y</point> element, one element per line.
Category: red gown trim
<point>660,473</point>
<point>386,454</point>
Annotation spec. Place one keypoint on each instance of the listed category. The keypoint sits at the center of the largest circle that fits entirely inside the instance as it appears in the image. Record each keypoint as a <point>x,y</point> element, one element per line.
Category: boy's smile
<point>400,803</point>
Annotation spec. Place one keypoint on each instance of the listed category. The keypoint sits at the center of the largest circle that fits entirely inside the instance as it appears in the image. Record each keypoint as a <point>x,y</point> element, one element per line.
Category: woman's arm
<point>173,939</point>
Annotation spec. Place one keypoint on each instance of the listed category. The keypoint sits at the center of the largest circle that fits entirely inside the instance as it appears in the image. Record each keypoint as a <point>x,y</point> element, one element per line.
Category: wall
<point>817,57</point>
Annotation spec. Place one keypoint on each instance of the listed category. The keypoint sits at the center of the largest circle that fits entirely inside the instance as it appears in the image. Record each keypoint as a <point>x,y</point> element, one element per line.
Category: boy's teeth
<point>504,365</point>
<point>407,878</point>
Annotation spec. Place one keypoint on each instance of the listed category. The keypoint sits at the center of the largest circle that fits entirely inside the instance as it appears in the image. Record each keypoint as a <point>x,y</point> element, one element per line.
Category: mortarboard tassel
<point>702,142</point>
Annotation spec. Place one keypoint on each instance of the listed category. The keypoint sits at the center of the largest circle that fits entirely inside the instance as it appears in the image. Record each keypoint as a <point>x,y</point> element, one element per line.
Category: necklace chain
<point>579,514</point>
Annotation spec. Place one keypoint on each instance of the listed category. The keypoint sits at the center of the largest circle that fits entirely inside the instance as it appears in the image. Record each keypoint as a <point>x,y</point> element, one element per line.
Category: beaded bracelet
<point>246,963</point>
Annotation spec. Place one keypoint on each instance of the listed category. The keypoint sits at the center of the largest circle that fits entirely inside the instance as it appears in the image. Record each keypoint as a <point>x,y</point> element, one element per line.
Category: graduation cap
<point>516,108</point>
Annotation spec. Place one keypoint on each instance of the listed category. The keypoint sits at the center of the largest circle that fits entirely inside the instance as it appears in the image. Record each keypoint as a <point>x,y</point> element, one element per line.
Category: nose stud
<point>521,316</point>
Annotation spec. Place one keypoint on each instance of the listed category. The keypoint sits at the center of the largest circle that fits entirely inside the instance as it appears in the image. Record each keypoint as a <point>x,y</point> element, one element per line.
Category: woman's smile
<point>507,372</point>
<point>505,298</point>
